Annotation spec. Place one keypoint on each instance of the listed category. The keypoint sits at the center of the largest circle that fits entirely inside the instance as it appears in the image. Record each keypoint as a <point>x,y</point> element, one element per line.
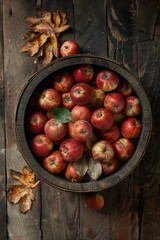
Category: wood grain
<point>17,69</point>
<point>3,215</point>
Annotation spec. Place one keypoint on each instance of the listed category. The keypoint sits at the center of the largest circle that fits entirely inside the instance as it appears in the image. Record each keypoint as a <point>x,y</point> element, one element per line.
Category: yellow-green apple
<point>131,128</point>
<point>71,173</point>
<point>82,130</point>
<point>62,81</point>
<point>49,99</point>
<point>114,101</point>
<point>124,148</point>
<point>55,130</point>
<point>41,145</point>
<point>102,119</point>
<point>132,106</point>
<point>66,101</point>
<point>81,113</point>
<point>102,151</point>
<point>35,122</point>
<point>83,73</point>
<point>81,93</point>
<point>107,80</point>
<point>94,201</point>
<point>54,162</point>
<point>97,98</point>
<point>71,150</point>
<point>69,47</point>
<point>111,134</point>
<point>110,167</point>
<point>124,88</point>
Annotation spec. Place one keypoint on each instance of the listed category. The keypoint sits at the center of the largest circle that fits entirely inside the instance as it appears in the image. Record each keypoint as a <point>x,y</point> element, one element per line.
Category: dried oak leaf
<point>44,31</point>
<point>23,193</point>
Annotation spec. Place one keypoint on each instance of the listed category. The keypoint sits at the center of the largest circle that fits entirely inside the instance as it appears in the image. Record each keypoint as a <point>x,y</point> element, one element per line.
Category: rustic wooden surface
<point>129,32</point>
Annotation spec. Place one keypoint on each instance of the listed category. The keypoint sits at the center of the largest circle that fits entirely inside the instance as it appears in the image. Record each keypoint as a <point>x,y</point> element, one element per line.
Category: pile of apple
<point>85,125</point>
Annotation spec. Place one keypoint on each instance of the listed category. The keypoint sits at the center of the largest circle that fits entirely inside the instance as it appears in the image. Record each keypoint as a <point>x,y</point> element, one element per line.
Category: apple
<point>82,130</point>
<point>110,167</point>
<point>119,117</point>
<point>91,141</point>
<point>83,73</point>
<point>55,130</point>
<point>62,81</point>
<point>81,93</point>
<point>70,129</point>
<point>54,162</point>
<point>97,98</point>
<point>107,80</point>
<point>49,114</point>
<point>111,134</point>
<point>124,88</point>
<point>94,201</point>
<point>124,148</point>
<point>71,150</point>
<point>49,99</point>
<point>114,101</point>
<point>102,119</point>
<point>35,122</point>
<point>71,174</point>
<point>131,128</point>
<point>66,101</point>
<point>69,47</point>
<point>41,145</point>
<point>132,107</point>
<point>102,151</point>
<point>81,113</point>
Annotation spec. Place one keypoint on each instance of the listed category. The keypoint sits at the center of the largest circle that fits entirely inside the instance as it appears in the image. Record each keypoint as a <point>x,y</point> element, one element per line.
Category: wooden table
<point>128,32</point>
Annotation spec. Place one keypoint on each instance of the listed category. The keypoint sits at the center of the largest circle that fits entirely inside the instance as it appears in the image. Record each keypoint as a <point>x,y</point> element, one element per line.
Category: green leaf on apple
<point>62,114</point>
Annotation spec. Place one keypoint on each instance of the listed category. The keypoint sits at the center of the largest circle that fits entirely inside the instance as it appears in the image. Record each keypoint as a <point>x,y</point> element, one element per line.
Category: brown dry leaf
<point>44,30</point>
<point>23,193</point>
<point>94,169</point>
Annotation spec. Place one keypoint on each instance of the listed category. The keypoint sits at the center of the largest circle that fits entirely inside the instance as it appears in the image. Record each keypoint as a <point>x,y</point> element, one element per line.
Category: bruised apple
<point>123,148</point>
<point>71,174</point>
<point>41,145</point>
<point>81,113</point>
<point>81,93</point>
<point>102,119</point>
<point>49,99</point>
<point>55,130</point>
<point>94,201</point>
<point>54,162</point>
<point>71,150</point>
<point>102,151</point>
<point>107,80</point>
<point>35,122</point>
<point>83,73</point>
<point>82,130</point>
<point>62,81</point>
<point>114,101</point>
<point>131,128</point>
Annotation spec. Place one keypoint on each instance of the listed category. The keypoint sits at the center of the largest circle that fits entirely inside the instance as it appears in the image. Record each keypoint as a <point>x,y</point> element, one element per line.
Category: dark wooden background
<point>129,32</point>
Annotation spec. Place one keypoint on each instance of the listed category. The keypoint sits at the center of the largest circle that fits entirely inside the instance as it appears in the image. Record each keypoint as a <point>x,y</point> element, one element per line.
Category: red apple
<point>124,88</point>
<point>41,145</point>
<point>49,114</point>
<point>81,93</point>
<point>102,119</point>
<point>115,102</point>
<point>132,107</point>
<point>107,80</point>
<point>49,99</point>
<point>82,130</point>
<point>55,130</point>
<point>98,97</point>
<point>66,101</point>
<point>35,122</point>
<point>111,134</point>
<point>119,117</point>
<point>81,113</point>
<point>91,141</point>
<point>62,81</point>
<point>110,167</point>
<point>70,129</point>
<point>71,150</point>
<point>94,201</point>
<point>54,162</point>
<point>131,128</point>
<point>69,47</point>
<point>124,148</point>
<point>102,151</point>
<point>83,73</point>
<point>71,174</point>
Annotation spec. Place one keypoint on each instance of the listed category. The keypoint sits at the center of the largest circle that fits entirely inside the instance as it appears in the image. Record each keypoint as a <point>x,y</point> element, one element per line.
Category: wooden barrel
<point>61,182</point>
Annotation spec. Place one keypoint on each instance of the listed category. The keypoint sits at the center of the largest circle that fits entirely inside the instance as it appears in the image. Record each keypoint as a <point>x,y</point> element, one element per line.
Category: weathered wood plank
<point>17,69</point>
<point>3,215</point>
<point>149,71</point>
